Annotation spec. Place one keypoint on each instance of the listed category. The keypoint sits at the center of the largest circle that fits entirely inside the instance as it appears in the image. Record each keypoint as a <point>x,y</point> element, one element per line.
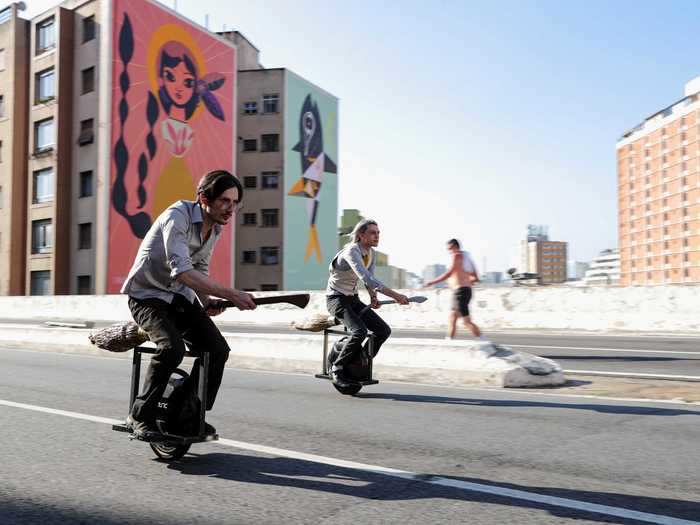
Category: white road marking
<point>633,375</point>
<point>604,349</point>
<point>403,474</point>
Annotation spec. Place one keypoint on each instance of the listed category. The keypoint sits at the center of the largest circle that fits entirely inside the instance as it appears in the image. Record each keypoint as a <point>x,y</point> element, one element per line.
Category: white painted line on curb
<point>604,349</point>
<point>633,375</point>
<point>404,474</point>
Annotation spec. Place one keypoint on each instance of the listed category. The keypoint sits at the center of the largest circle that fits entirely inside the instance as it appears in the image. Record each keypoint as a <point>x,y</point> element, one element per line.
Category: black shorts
<point>460,300</point>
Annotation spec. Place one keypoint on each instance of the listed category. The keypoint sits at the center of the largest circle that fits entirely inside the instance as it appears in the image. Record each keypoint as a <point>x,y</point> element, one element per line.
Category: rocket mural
<point>314,163</point>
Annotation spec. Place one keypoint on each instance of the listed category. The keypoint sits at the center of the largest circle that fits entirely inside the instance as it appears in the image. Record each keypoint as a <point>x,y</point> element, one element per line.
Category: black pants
<point>347,308</point>
<point>169,326</point>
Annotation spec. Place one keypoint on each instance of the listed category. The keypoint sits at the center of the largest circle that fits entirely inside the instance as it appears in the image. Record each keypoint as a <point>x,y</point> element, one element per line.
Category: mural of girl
<point>175,79</point>
<point>173,119</point>
<point>180,92</point>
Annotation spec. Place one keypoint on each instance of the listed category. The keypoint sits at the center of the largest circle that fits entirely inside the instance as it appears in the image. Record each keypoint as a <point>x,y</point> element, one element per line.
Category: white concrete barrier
<point>644,309</point>
<point>417,360</point>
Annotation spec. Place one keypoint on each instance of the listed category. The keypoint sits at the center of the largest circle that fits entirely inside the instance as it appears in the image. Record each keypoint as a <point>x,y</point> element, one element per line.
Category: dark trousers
<point>347,308</point>
<point>170,326</point>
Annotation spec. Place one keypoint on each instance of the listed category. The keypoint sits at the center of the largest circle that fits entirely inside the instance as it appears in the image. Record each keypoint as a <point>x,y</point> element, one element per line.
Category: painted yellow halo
<point>172,33</point>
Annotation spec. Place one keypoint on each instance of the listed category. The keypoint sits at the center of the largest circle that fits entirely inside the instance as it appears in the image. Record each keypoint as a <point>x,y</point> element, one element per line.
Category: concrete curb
<point>454,363</point>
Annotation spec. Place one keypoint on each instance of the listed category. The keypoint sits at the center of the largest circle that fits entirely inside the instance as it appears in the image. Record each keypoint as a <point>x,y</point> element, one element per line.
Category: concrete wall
<point>644,309</point>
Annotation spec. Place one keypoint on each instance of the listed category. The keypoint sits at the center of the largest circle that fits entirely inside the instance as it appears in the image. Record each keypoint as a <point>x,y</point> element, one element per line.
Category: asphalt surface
<point>643,354</point>
<point>474,456</point>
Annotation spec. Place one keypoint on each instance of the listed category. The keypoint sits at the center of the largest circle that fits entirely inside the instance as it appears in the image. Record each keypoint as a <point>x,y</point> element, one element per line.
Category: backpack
<point>178,408</point>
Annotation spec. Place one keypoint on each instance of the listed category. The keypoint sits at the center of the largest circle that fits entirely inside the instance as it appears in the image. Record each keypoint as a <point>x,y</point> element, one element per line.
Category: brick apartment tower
<point>659,195</point>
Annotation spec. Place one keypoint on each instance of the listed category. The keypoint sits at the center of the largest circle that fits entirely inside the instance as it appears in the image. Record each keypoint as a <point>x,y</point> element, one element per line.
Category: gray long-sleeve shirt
<point>347,268</point>
<point>173,245</point>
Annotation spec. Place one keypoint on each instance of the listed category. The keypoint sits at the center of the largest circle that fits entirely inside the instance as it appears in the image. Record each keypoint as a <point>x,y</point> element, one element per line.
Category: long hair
<point>359,229</point>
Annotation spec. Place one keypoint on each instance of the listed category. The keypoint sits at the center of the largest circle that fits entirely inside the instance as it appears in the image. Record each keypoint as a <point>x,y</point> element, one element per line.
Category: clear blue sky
<point>473,119</point>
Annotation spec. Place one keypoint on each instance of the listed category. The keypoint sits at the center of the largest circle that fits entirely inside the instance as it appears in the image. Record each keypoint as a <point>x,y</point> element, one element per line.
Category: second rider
<point>355,262</point>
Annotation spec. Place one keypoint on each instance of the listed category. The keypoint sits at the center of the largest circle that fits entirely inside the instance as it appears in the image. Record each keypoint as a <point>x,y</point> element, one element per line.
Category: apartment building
<point>14,79</point>
<point>92,148</point>
<point>659,195</point>
<point>543,257</point>
<point>287,161</point>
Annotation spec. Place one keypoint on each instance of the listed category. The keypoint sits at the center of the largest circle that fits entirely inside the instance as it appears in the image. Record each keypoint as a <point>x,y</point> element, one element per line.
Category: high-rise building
<point>110,111</point>
<point>14,87</point>
<point>543,257</point>
<point>659,195</point>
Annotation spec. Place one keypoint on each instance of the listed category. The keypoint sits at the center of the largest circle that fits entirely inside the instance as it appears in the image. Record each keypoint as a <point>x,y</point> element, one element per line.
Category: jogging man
<point>169,292</point>
<point>462,274</point>
<point>355,262</point>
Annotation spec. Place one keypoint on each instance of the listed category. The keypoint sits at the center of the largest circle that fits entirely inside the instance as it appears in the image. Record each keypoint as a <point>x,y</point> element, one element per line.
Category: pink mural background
<point>173,119</point>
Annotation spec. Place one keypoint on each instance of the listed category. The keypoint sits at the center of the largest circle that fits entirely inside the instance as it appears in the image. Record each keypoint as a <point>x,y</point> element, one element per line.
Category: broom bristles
<point>120,337</point>
<point>315,323</point>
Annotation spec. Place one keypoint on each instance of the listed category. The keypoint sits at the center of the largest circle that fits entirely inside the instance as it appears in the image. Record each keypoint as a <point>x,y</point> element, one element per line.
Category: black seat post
<point>202,389</point>
<point>135,376</point>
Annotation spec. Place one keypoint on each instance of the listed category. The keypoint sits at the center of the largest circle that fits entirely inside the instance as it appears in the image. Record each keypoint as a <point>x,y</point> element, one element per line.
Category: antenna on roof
<point>206,21</point>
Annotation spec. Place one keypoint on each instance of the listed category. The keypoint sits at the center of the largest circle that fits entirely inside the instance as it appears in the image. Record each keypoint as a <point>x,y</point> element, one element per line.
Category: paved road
<point>653,354</point>
<point>464,456</point>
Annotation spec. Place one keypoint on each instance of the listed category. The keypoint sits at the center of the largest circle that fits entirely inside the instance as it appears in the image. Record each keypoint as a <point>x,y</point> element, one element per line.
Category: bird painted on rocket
<point>314,163</point>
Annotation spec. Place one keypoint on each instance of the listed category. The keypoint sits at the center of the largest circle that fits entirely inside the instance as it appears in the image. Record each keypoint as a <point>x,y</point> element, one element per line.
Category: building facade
<point>288,153</point>
<point>543,257</point>
<point>14,105</point>
<point>95,143</point>
<point>604,269</point>
<point>659,195</point>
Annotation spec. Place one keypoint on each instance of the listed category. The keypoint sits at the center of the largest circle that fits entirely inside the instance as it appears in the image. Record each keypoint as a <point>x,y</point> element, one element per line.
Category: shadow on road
<point>306,475</point>
<point>602,408</point>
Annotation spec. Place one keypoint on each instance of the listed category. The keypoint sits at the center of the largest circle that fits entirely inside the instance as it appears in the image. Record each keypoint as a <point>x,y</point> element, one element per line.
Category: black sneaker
<point>340,379</point>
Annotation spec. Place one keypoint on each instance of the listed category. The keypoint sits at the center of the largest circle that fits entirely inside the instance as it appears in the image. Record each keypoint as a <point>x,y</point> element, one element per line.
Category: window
<point>250,108</point>
<point>269,288</point>
<point>87,136</point>
<point>42,236</point>
<point>2,106</point>
<point>45,35</point>
<point>270,103</point>
<point>45,86</point>
<point>88,80</point>
<point>270,218</point>
<point>269,255</point>
<point>250,182</point>
<point>249,257</point>
<point>0,197</point>
<point>2,59</point>
<point>250,145</point>
<point>86,183</point>
<point>270,180</point>
<point>84,285</point>
<point>270,142</point>
<point>85,236</point>
<point>43,183</point>
<point>250,219</point>
<point>43,135</point>
<point>40,282</point>
<point>88,29</point>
